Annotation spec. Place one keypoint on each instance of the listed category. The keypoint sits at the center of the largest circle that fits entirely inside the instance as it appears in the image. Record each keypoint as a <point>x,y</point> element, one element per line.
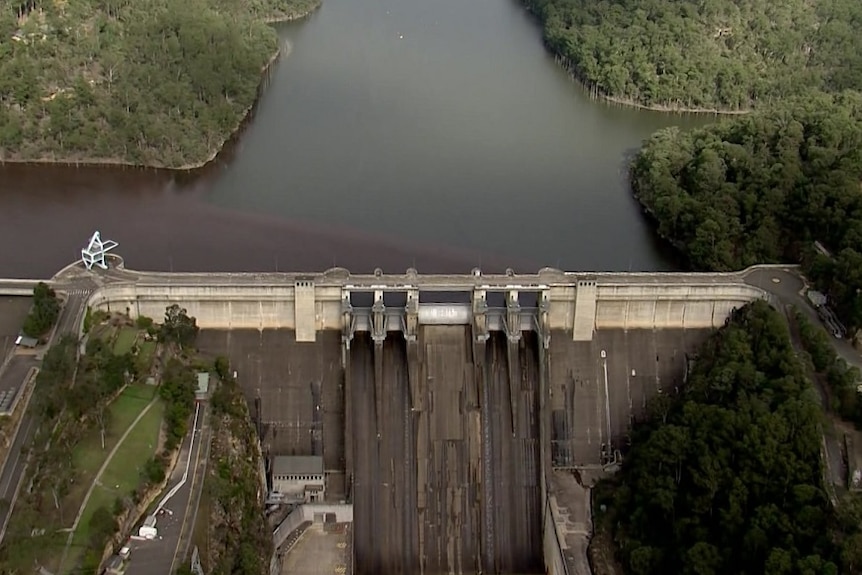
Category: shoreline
<point>294,17</point>
<point>283,50</point>
<point>595,94</point>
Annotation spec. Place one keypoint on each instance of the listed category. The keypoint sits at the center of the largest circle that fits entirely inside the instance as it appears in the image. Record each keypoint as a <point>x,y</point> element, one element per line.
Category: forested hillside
<point>717,54</point>
<point>152,82</point>
<point>762,188</point>
<point>725,478</point>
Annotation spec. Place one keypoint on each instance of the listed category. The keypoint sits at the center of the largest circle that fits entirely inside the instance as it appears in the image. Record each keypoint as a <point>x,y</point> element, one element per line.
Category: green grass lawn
<point>148,349</point>
<point>125,340</point>
<point>21,561</point>
<point>144,360</point>
<point>123,473</point>
<point>102,331</point>
<point>88,455</point>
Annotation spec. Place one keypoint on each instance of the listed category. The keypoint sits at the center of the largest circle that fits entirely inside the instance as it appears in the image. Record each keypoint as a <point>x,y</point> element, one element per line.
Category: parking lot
<point>13,311</point>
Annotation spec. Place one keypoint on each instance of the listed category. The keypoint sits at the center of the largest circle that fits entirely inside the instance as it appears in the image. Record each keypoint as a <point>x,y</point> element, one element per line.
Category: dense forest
<point>715,54</point>
<point>234,538</point>
<point>149,82</point>
<point>761,188</point>
<point>725,477</point>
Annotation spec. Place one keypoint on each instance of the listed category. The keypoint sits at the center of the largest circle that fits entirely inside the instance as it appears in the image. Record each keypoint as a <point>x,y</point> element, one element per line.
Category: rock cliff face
<point>237,539</point>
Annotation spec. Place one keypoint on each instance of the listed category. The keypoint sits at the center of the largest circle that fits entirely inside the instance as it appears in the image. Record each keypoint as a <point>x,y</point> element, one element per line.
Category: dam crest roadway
<point>463,416</point>
<point>379,303</point>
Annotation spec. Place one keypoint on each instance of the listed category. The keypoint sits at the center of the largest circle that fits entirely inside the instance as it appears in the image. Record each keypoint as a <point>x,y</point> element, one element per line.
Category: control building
<point>299,478</point>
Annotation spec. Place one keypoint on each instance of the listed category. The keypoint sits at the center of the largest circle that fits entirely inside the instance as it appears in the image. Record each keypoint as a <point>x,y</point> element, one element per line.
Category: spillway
<point>436,441</point>
<point>445,471</point>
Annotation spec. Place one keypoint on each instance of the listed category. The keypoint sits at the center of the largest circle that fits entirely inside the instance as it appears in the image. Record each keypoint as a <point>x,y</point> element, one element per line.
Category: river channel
<point>397,133</point>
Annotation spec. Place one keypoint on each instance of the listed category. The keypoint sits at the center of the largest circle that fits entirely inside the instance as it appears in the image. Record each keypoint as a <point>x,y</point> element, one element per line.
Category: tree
<point>102,524</point>
<point>222,367</point>
<point>706,55</point>
<point>725,477</point>
<point>44,312</point>
<point>103,416</point>
<point>156,82</point>
<point>763,188</point>
<point>179,327</point>
<point>178,392</point>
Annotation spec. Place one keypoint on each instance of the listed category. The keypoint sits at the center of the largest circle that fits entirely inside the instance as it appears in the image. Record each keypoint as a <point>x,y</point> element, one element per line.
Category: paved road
<point>158,556</point>
<point>436,282</point>
<point>13,469</point>
<point>70,321</point>
<point>788,290</point>
<point>16,371</point>
<point>16,462</point>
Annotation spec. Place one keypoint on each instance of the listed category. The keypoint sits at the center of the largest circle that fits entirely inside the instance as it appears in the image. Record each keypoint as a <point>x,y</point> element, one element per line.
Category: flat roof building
<point>299,478</point>
<point>816,298</point>
<point>202,390</point>
<point>25,341</point>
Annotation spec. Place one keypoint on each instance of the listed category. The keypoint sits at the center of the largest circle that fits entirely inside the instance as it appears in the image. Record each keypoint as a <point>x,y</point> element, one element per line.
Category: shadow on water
<point>672,258</point>
<point>162,223</point>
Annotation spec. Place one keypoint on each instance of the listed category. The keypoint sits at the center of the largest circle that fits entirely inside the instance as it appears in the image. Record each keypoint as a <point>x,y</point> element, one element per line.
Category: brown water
<point>439,135</point>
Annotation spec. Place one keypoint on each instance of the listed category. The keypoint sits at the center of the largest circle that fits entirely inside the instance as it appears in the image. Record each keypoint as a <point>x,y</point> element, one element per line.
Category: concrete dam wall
<point>438,442</point>
<point>578,303</point>
<point>448,425</point>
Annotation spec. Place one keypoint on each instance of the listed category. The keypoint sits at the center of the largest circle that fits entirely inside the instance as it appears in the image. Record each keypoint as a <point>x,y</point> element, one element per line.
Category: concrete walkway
<point>98,478</point>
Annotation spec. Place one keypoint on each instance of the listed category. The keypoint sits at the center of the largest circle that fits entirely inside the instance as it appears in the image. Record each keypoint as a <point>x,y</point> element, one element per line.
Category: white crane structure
<point>94,253</point>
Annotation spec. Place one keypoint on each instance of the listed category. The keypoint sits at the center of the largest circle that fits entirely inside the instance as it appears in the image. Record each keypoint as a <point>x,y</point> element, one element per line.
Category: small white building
<point>148,529</point>
<point>299,478</point>
<point>816,298</point>
<point>24,341</point>
<point>202,390</point>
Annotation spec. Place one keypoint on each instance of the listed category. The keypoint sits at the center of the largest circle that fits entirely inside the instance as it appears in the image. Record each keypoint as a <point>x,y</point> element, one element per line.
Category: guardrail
<point>16,291</point>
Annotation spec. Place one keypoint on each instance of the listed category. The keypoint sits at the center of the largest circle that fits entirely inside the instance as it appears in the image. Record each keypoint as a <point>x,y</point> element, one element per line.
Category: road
<point>366,282</point>
<point>161,555</point>
<point>16,461</point>
<point>15,372</point>
<point>74,308</point>
<point>787,286</point>
<point>13,468</point>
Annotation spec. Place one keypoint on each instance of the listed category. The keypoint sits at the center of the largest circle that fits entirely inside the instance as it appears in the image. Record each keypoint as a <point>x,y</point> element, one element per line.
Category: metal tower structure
<point>94,253</point>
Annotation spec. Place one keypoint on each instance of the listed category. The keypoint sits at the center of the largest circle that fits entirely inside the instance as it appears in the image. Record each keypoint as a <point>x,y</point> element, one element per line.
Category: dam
<point>447,408</point>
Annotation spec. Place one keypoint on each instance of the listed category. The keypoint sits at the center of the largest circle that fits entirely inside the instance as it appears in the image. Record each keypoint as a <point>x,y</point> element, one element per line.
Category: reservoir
<point>396,133</point>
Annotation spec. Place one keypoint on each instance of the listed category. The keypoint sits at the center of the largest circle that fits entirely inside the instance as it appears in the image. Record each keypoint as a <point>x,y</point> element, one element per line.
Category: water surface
<point>436,134</point>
